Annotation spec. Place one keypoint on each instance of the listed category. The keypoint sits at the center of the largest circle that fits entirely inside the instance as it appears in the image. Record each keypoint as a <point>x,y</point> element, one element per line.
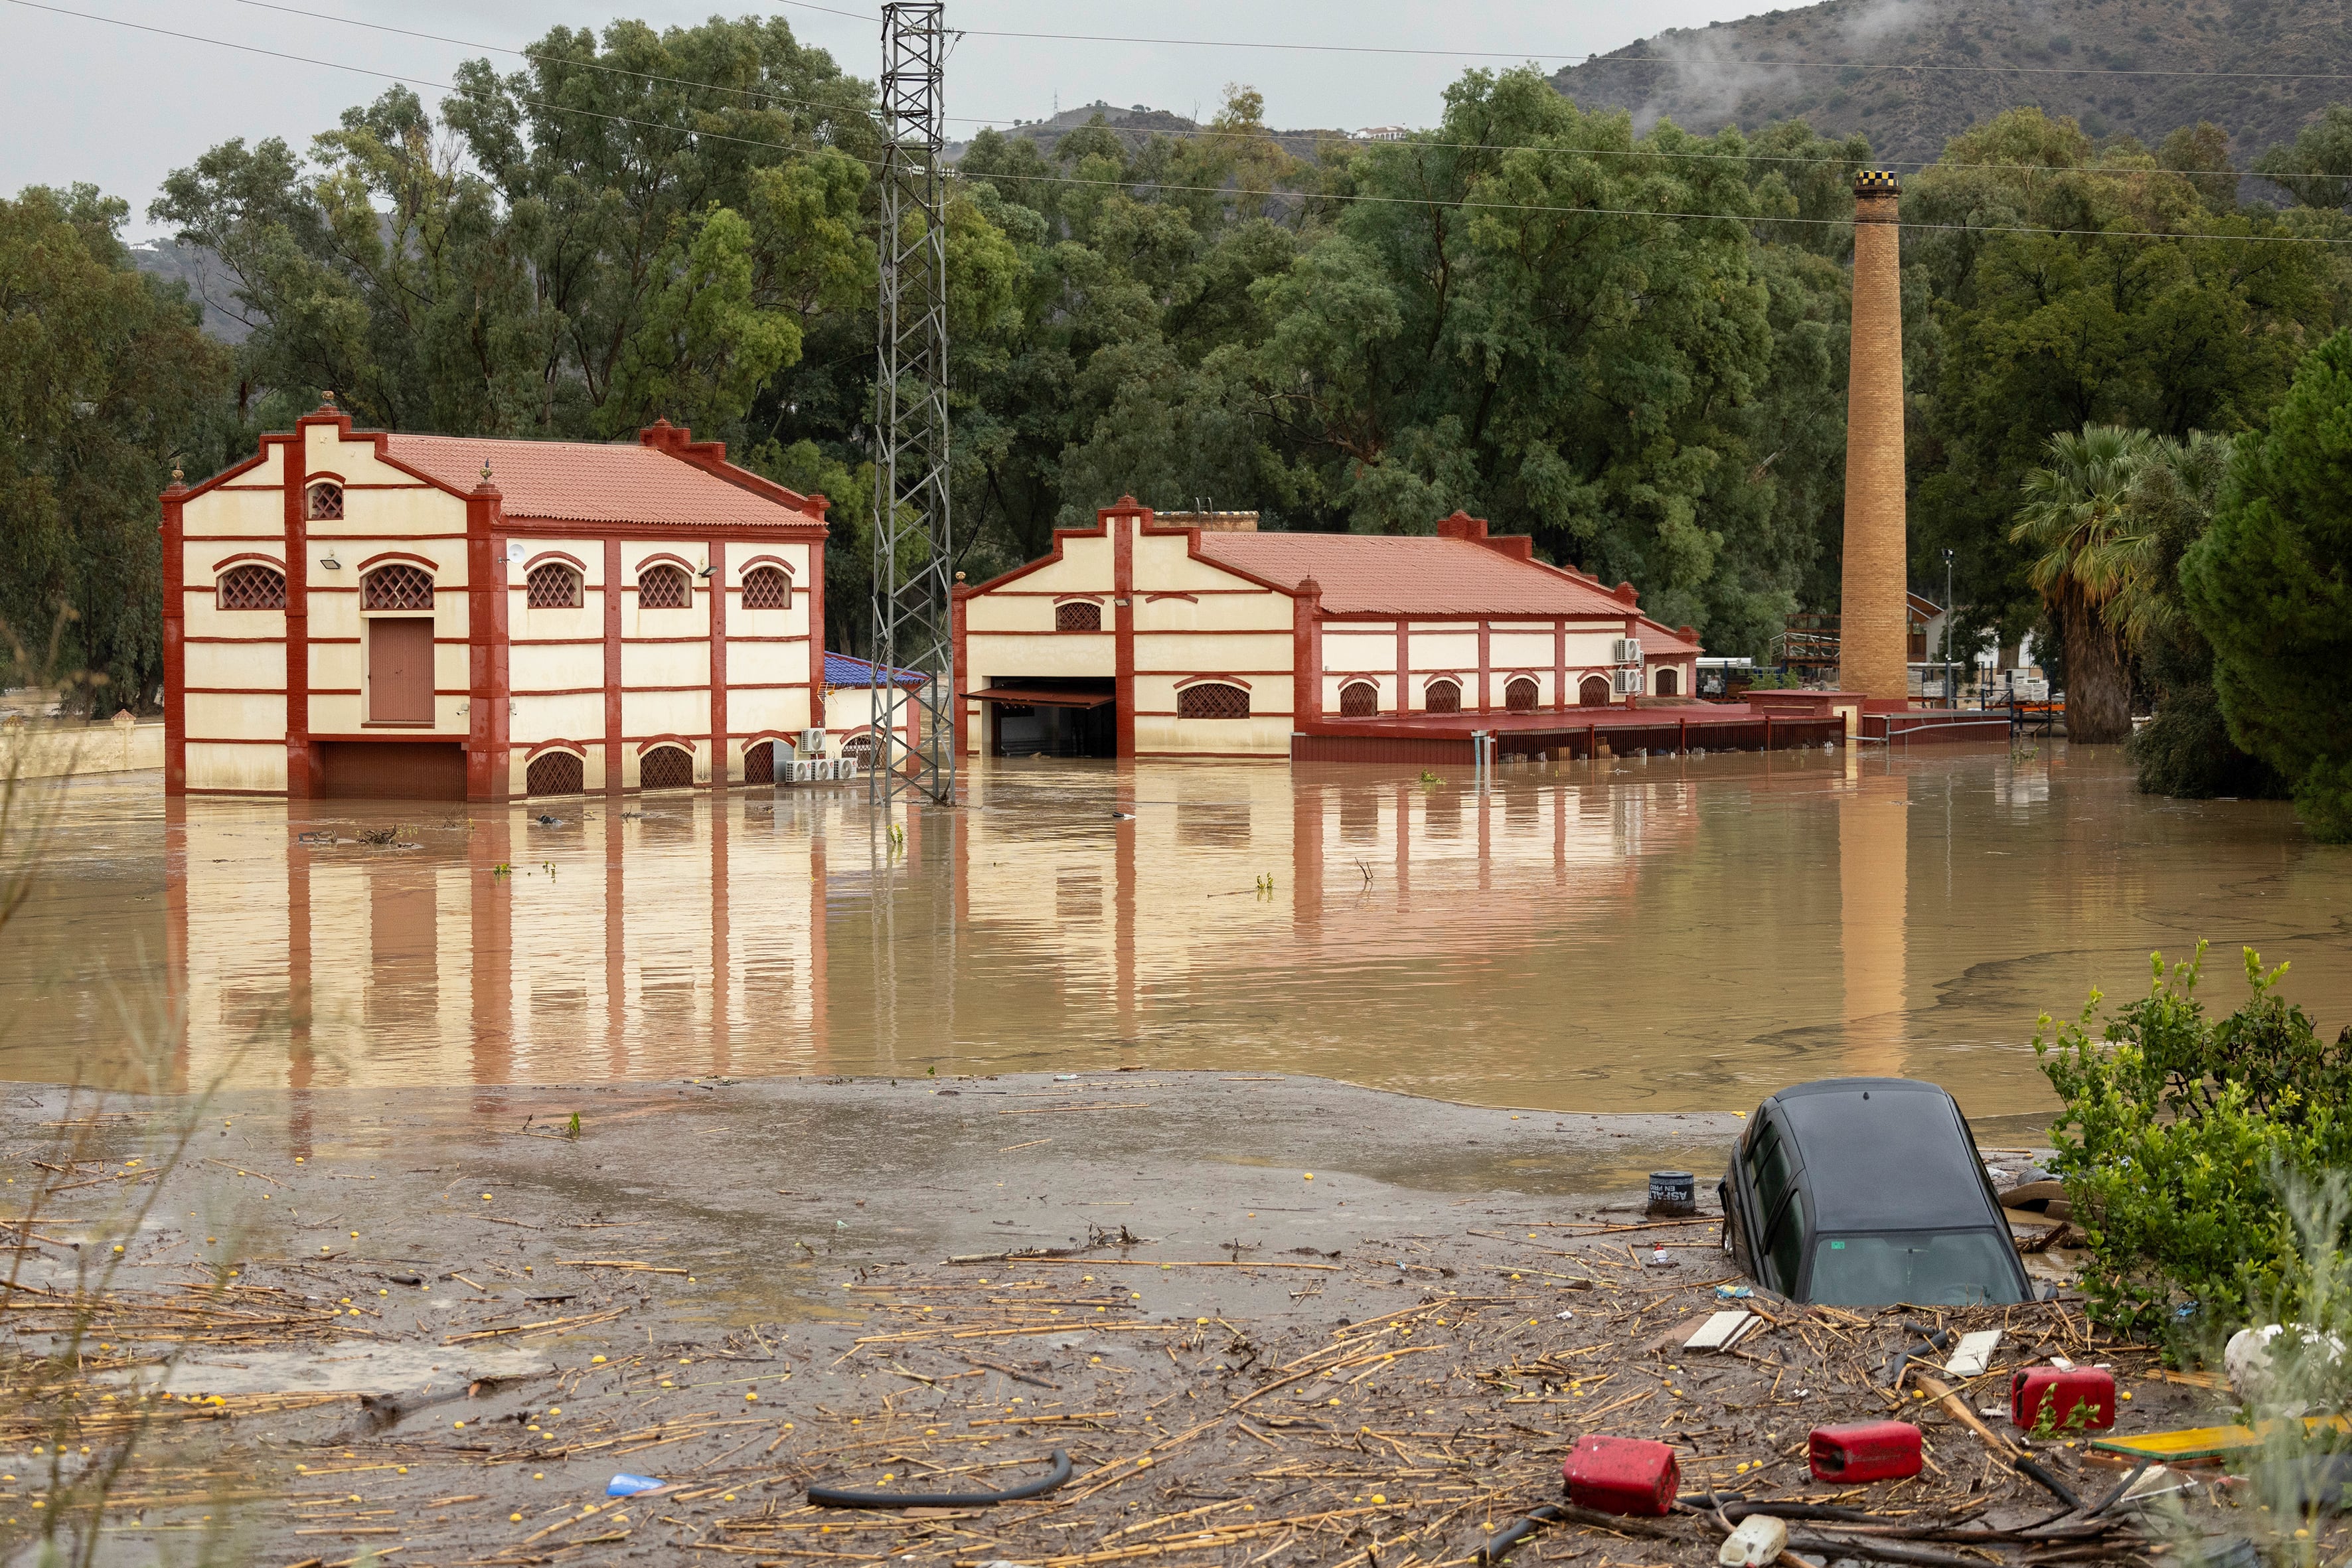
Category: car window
<point>1773,1170</point>
<point>1948,1267</point>
<point>1784,1239</point>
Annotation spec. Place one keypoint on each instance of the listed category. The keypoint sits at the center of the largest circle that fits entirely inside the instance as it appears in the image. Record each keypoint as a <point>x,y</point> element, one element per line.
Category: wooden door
<point>400,671</point>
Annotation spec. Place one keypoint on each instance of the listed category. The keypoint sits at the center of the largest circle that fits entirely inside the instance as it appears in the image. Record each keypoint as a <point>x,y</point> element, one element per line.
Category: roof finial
<point>179,476</point>
<point>327,398</point>
<point>486,470</point>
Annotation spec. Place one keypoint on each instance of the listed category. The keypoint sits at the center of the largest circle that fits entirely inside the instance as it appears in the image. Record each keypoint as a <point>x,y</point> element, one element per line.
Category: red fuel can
<point>1865,1451</point>
<point>2033,1388</point>
<point>1622,1475</point>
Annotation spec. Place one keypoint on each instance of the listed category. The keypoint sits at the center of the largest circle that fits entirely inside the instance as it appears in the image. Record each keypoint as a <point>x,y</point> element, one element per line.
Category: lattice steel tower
<point>913,558</point>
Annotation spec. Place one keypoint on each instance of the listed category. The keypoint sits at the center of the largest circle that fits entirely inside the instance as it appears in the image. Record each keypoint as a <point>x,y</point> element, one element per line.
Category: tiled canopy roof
<point>587,481</point>
<point>1385,574</point>
<point>843,669</point>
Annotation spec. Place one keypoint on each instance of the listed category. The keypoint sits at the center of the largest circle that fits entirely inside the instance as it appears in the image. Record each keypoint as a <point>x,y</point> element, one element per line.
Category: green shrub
<point>2177,1133</point>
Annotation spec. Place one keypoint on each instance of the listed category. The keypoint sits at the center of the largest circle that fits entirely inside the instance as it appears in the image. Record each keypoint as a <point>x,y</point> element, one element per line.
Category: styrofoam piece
<point>1759,1538</point>
<point>1973,1354</point>
<point>1718,1330</point>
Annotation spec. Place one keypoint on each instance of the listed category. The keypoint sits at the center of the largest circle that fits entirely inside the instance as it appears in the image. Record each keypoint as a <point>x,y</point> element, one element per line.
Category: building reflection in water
<point>1874,821</point>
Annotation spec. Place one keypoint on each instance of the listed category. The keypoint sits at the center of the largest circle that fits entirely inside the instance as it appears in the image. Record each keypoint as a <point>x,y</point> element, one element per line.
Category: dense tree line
<point>1631,346</point>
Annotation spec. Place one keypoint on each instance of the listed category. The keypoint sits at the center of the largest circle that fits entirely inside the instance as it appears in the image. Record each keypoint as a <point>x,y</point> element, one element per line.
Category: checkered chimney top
<point>1876,182</point>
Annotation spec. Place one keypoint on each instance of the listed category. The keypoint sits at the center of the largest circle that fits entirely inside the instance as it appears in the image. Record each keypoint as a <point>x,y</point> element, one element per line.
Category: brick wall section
<point>1872,629</point>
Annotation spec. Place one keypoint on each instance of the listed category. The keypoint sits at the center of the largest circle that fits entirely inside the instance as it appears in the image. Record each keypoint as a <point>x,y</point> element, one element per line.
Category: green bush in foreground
<point>2177,1133</point>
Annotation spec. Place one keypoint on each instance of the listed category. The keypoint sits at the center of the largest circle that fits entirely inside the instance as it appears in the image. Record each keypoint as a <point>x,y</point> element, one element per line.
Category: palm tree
<point>2094,559</point>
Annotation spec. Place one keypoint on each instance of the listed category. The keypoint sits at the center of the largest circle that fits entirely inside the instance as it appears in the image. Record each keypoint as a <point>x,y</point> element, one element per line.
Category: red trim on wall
<point>958,663</point>
<point>1121,521</point>
<point>1560,665</point>
<point>1486,663</point>
<point>488,685</point>
<point>611,592</point>
<point>425,561</point>
<point>1212,679</point>
<point>301,778</point>
<point>1192,598</point>
<point>1306,651</point>
<point>266,559</point>
<point>718,668</point>
<point>776,561</point>
<point>661,557</point>
<point>168,617</point>
<point>577,748</point>
<point>566,556</point>
<point>692,746</point>
<point>815,610</point>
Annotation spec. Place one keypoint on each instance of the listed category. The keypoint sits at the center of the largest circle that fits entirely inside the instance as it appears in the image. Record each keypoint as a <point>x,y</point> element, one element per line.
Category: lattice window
<point>555,773</point>
<point>251,587</point>
<point>665,767</point>
<point>1442,697</point>
<point>398,586</point>
<point>1519,696</point>
<point>1211,699</point>
<point>663,588</point>
<point>760,763</point>
<point>1593,691</point>
<point>1077,615</point>
<point>553,586</point>
<point>767,588</point>
<point>1360,700</point>
<point>326,503</point>
<point>860,745</point>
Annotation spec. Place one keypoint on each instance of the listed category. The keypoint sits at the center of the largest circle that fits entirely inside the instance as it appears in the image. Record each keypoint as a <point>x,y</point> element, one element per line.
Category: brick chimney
<point>1872,643</point>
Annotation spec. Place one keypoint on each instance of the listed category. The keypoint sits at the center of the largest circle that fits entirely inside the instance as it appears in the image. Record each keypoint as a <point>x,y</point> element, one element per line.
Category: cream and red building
<point>362,612</point>
<point>1193,634</point>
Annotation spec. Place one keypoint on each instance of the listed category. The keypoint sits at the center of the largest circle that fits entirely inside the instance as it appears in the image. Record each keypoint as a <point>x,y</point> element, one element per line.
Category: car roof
<point>1884,1153</point>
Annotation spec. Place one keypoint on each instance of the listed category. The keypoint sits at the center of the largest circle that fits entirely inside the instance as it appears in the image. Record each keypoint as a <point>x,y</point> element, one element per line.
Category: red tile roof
<point>1384,574</point>
<point>586,481</point>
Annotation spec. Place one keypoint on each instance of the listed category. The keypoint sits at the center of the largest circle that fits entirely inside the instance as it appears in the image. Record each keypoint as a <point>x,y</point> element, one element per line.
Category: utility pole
<point>1951,697</point>
<point>914,737</point>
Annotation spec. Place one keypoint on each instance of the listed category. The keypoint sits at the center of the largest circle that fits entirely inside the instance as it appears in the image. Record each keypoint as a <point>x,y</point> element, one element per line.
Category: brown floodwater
<point>1660,934</point>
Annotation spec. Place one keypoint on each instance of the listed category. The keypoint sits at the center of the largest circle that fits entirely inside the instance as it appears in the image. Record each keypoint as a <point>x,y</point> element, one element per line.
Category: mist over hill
<point>1960,62</point>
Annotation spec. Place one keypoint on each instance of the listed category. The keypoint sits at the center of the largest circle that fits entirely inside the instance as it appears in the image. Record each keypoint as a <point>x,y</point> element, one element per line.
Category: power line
<point>1599,59</point>
<point>1206,133</point>
<point>1468,203</point>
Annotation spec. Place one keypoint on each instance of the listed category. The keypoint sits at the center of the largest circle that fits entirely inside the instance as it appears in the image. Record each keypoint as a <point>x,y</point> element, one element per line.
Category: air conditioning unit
<point>1625,651</point>
<point>812,743</point>
<point>1626,682</point>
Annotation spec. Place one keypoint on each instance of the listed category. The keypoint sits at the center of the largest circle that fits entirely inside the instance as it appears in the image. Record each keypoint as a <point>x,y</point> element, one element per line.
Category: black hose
<point>834,1497</point>
<point>2122,1487</point>
<point>1510,1535</point>
<point>2050,1483</point>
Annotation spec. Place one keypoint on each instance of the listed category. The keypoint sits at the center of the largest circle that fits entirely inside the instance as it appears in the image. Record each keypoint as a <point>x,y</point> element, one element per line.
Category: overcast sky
<point>93,101</point>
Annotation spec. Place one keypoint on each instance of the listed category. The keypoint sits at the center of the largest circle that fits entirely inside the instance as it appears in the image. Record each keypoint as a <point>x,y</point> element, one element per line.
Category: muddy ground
<point>1294,1322</point>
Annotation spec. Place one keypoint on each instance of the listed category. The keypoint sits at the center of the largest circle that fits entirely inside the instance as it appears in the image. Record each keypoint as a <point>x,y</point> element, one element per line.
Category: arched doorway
<point>1519,696</point>
<point>1593,691</point>
<point>1360,700</point>
<point>554,773</point>
<point>760,758</point>
<point>1669,682</point>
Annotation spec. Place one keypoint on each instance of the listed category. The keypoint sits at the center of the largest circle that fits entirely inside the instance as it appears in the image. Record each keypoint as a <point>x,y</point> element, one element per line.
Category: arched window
<point>554,773</point>
<point>760,763</point>
<point>326,502</point>
<point>1519,696</point>
<point>1360,700</point>
<point>1077,615</point>
<point>251,586</point>
<point>399,586</point>
<point>664,587</point>
<point>767,588</point>
<point>1442,697</point>
<point>1213,699</point>
<point>665,767</point>
<point>1669,682</point>
<point>859,748</point>
<point>1593,691</point>
<point>554,586</point>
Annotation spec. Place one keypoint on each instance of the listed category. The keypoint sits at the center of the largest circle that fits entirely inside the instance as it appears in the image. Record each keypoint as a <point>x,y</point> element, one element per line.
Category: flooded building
<point>355,613</point>
<point>1194,635</point>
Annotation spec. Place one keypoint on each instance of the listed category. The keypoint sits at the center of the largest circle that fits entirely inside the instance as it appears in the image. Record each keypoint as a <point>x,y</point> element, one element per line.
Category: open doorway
<point>1052,716</point>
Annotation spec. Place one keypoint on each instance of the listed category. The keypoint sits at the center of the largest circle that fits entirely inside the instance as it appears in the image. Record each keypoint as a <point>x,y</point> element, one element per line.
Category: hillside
<point>2015,51</point>
<point>1134,126</point>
